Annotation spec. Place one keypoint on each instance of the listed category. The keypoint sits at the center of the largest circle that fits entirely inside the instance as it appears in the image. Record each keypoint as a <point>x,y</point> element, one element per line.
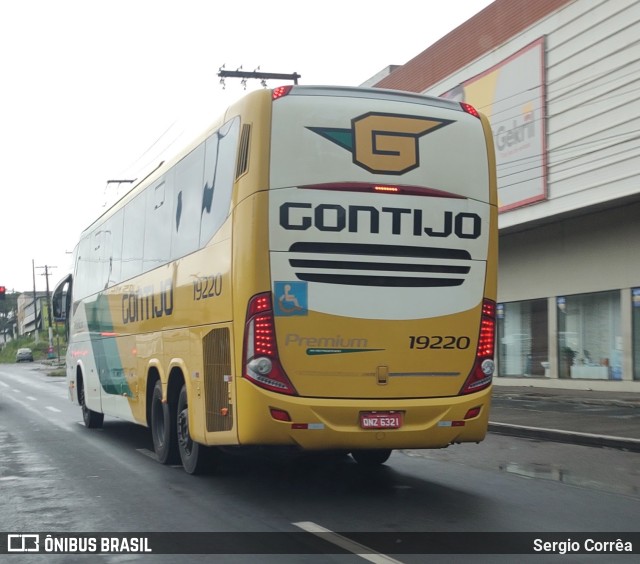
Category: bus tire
<point>371,457</point>
<point>163,428</point>
<point>92,419</point>
<point>195,457</point>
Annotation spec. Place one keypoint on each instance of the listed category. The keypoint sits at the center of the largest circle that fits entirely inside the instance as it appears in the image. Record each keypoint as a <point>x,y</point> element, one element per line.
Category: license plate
<point>380,419</point>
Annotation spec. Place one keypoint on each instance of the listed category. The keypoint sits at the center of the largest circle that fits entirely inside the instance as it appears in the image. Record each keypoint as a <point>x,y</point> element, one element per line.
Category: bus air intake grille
<point>242,164</point>
<point>394,266</point>
<point>217,373</point>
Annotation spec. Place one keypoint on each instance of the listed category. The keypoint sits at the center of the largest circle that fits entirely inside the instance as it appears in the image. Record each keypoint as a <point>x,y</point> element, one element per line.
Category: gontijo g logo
<point>383,143</point>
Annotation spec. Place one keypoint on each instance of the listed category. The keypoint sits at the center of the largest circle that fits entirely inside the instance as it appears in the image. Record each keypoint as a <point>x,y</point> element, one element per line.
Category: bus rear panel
<point>375,327</point>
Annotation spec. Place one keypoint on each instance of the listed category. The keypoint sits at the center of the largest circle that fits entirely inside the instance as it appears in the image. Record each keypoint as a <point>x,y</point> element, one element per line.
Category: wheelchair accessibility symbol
<point>290,299</point>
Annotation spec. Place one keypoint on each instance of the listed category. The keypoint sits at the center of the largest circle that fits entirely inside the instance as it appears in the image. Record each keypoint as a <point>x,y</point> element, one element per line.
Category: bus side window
<point>219,172</point>
<point>185,235</point>
<point>157,235</point>
<point>133,237</point>
<point>114,248</point>
<point>84,268</point>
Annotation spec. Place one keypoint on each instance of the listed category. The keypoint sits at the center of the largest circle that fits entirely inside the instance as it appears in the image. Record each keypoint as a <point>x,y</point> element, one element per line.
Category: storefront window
<point>590,336</point>
<point>523,344</point>
<point>635,302</point>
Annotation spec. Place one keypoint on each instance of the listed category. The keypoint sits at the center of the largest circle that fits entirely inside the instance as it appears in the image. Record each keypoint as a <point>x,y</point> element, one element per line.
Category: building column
<point>552,318</point>
<point>626,321</point>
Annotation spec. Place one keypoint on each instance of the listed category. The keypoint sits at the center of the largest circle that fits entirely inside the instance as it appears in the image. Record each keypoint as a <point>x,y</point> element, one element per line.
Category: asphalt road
<point>56,475</point>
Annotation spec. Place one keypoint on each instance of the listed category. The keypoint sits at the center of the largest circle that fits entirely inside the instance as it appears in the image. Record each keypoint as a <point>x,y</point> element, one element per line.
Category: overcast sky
<point>93,90</point>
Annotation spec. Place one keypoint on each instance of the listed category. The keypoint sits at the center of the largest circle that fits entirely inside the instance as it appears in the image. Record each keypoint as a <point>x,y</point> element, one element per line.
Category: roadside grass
<point>40,353</point>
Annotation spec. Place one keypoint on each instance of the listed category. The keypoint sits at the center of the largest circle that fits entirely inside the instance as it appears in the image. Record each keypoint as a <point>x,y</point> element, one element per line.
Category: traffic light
<point>3,292</point>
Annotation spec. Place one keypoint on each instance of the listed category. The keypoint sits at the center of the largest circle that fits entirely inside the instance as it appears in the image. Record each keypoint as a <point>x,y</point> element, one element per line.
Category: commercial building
<point>31,312</point>
<point>560,83</point>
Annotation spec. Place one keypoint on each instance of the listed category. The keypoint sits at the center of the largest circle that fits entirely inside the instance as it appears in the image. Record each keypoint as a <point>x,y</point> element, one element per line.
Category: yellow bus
<point>317,270</point>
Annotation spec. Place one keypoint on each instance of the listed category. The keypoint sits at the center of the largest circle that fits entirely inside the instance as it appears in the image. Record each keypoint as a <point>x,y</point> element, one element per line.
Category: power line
<point>571,148</point>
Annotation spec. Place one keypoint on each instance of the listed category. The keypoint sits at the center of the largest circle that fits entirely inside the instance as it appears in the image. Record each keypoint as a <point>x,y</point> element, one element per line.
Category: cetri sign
<point>511,95</point>
<point>518,136</point>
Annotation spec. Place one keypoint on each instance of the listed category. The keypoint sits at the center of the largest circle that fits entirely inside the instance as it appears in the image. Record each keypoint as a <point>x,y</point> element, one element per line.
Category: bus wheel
<point>371,457</point>
<point>163,428</point>
<point>194,456</point>
<point>92,419</point>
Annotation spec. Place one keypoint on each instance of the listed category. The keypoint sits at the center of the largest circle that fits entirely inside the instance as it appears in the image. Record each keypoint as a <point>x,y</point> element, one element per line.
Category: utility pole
<point>3,316</point>
<point>35,300</point>
<point>261,76</point>
<point>49,308</point>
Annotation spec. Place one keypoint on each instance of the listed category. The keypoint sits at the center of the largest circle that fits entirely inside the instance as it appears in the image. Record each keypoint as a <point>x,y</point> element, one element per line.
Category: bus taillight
<point>280,91</point>
<point>484,365</point>
<point>470,109</point>
<point>262,364</point>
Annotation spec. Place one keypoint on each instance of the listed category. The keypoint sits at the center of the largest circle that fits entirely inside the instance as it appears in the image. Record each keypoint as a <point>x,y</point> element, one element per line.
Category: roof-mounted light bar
<point>470,109</point>
<point>281,91</point>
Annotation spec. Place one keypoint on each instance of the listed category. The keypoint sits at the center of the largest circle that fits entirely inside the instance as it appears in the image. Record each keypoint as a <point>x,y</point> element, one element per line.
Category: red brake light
<point>261,361</point>
<point>259,303</point>
<point>382,189</point>
<point>486,343</point>
<point>279,414</point>
<point>484,366</point>
<point>470,109</point>
<point>280,91</point>
<point>264,335</point>
<point>387,189</point>
<point>473,412</point>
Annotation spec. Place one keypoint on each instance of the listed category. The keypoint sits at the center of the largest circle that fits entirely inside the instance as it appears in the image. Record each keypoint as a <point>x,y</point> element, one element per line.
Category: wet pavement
<point>583,417</point>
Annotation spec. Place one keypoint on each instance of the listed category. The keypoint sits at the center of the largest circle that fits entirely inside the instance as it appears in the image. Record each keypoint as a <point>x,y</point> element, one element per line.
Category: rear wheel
<point>92,419</point>
<point>163,428</point>
<point>195,457</point>
<point>371,457</point>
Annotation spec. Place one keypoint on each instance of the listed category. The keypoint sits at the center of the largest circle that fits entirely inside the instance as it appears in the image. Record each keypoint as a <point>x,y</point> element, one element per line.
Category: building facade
<point>30,318</point>
<point>560,83</point>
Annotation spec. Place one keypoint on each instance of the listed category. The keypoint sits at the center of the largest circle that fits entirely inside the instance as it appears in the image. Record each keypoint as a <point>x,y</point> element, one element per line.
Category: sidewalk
<point>583,417</point>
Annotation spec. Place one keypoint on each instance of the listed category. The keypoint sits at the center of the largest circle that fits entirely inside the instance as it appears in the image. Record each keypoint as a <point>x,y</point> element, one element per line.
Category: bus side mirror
<point>60,299</point>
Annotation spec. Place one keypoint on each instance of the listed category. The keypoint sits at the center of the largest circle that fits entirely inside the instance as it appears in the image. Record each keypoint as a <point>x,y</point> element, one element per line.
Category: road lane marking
<point>37,411</point>
<point>32,398</point>
<point>37,383</point>
<point>343,542</point>
<point>3,384</point>
<point>54,409</point>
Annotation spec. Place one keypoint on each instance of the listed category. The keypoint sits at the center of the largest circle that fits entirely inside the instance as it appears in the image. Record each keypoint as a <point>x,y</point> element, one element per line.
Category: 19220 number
<point>449,342</point>
<point>207,287</point>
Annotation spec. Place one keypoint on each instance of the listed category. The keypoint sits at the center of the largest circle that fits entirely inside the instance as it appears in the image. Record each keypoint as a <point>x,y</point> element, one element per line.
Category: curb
<point>618,402</point>
<point>570,437</point>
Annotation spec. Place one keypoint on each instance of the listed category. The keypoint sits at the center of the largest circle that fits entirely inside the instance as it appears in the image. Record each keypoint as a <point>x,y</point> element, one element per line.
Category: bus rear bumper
<point>317,424</point>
